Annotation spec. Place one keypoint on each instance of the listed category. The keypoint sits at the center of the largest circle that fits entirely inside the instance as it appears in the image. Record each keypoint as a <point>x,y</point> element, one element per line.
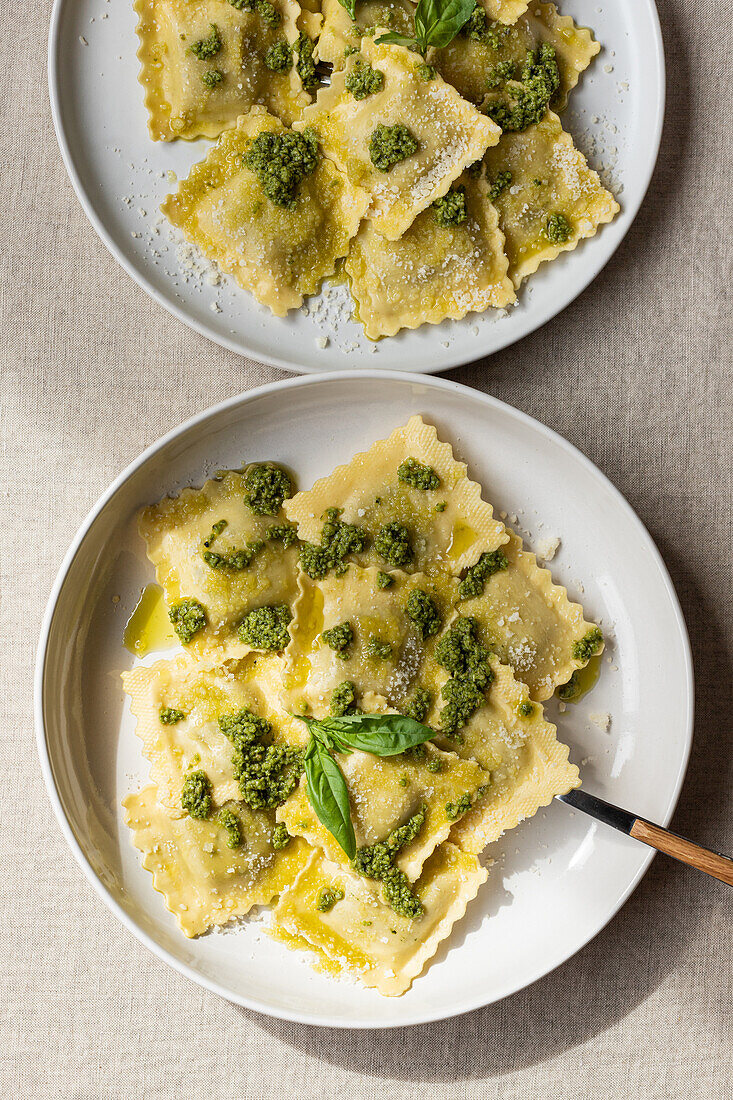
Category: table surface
<point>637,374</point>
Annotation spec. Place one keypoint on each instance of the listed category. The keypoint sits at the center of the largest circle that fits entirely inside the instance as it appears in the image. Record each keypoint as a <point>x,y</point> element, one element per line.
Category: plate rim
<point>220,339</point>
<point>243,398</point>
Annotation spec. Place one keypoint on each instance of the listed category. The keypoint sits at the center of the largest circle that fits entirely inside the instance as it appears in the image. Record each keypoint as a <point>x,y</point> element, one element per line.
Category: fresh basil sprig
<point>437,22</point>
<point>379,734</point>
<point>350,6</point>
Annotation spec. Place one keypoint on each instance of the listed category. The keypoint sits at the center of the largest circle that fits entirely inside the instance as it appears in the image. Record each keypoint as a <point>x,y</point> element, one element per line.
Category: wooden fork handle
<point>712,863</point>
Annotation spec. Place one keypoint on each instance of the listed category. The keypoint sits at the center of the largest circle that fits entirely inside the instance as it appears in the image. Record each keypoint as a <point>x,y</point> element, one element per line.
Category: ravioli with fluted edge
<point>355,714</point>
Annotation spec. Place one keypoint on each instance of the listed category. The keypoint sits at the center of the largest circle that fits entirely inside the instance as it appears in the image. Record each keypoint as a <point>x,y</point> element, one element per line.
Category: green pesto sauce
<point>499,186</point>
<point>480,28</point>
<point>196,795</point>
<point>422,610</point>
<point>503,71</point>
<point>216,530</point>
<point>540,80</point>
<point>425,71</point>
<point>266,485</point>
<point>212,78</point>
<point>454,810</point>
<point>339,638</point>
<point>349,50</point>
<point>376,647</point>
<point>451,209</point>
<point>415,473</point>
<point>328,897</point>
<point>389,145</point>
<point>208,47</point>
<point>188,616</point>
<point>377,861</point>
<point>343,699</point>
<point>525,709</point>
<point>282,532</point>
<point>461,653</point>
<point>266,627</point>
<point>306,66</point>
<point>384,580</point>
<point>267,773</point>
<point>229,821</point>
<point>169,716</point>
<point>266,11</point>
<point>441,506</point>
<point>279,57</point>
<point>417,707</point>
<point>338,540</point>
<point>281,162</point>
<point>557,229</point>
<point>393,544</point>
<point>476,576</point>
<point>364,81</point>
<point>586,647</point>
<point>233,561</point>
<point>280,837</point>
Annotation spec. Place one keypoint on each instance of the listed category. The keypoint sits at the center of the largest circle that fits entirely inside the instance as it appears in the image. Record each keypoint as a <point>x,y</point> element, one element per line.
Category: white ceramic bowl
<point>559,877</point>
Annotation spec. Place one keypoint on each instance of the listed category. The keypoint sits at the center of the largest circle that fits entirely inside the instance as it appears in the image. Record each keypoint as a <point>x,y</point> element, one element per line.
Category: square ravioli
<point>555,200</point>
<point>279,250</point>
<point>341,34</point>
<point>509,736</point>
<point>178,706</point>
<point>436,270</point>
<point>474,63</point>
<point>409,802</point>
<point>407,503</point>
<point>203,881</point>
<point>216,555</point>
<point>361,933</point>
<point>205,62</point>
<point>405,143</point>
<point>349,629</point>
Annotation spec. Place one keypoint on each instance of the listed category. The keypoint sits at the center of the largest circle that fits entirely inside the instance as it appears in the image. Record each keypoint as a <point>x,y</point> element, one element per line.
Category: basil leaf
<point>395,39</point>
<point>329,796</point>
<point>350,6</point>
<point>437,22</point>
<point>380,734</point>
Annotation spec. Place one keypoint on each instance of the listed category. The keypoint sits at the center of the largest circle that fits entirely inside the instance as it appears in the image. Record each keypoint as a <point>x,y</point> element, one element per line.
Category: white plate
<point>120,178</point>
<point>560,876</point>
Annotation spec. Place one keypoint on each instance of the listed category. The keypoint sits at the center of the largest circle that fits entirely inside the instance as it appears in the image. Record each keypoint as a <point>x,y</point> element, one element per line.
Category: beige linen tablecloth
<point>636,373</point>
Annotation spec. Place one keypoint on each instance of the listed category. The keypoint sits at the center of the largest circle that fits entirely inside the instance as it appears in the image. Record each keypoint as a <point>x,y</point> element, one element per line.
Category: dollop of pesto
<point>586,647</point>
<point>461,806</point>
<point>417,707</point>
<point>504,70</point>
<point>461,653</point>
<point>364,81</point>
<point>212,78</point>
<point>266,11</point>
<point>384,580</point>
<point>280,837</point>
<point>196,795</point>
<point>479,28</point>
<point>557,229</point>
<point>441,506</point>
<point>229,821</point>
<point>349,50</point>
<point>208,47</point>
<point>267,773</point>
<point>377,647</point>
<point>540,80</point>
<point>216,530</point>
<point>327,898</point>
<point>282,532</point>
<point>338,540</point>
<point>422,610</point>
<point>266,485</point>
<point>343,699</point>
<point>570,690</point>
<point>393,544</point>
<point>525,709</point>
<point>339,638</point>
<point>187,617</point>
<point>377,861</point>
<point>499,186</point>
<point>306,66</point>
<point>425,71</point>
<point>476,576</point>
<point>417,474</point>
<point>232,561</point>
<point>281,161</point>
<point>389,145</point>
<point>279,57</point>
<point>169,716</point>
<point>451,209</point>
<point>266,627</point>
